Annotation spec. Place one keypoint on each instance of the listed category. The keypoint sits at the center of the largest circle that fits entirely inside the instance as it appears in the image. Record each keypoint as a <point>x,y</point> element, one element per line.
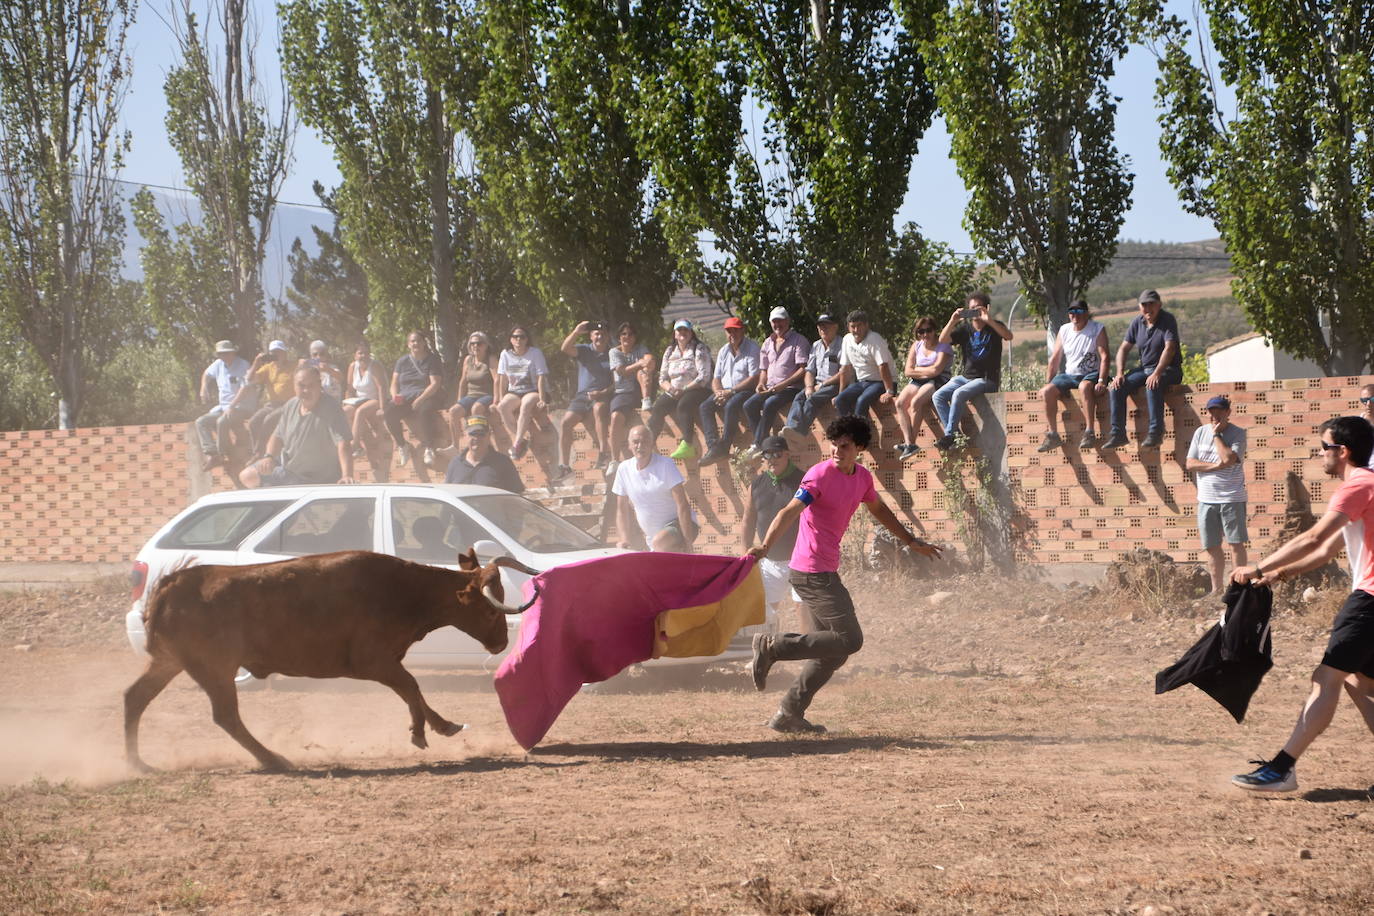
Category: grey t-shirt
<point>310,441</point>
<point>619,358</point>
<point>1228,484</point>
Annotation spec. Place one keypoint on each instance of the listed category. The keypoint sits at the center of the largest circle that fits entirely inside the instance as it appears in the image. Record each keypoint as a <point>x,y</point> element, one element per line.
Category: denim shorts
<point>1066,382</point>
<point>467,401</point>
<point>1215,520</point>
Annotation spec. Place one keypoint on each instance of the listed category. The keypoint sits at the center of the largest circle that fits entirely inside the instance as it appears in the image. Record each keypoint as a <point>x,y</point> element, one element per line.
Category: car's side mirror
<point>487,551</point>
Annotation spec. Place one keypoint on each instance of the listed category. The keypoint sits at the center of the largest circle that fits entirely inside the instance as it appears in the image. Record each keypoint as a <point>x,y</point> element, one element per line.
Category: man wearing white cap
<point>331,376</point>
<point>782,363</point>
<point>220,385</point>
<point>273,371</point>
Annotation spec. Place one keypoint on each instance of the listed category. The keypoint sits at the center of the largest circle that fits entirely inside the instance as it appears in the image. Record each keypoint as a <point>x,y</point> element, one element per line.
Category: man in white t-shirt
<point>1347,666</point>
<point>867,375</point>
<point>1215,456</point>
<point>227,420</point>
<point>1078,361</point>
<point>651,485</point>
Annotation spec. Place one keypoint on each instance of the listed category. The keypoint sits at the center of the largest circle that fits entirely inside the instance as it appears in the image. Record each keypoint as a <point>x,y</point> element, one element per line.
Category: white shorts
<point>775,573</point>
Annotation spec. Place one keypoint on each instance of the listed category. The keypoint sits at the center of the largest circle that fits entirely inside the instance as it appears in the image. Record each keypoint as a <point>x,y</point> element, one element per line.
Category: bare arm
<point>781,522</point>
<point>622,521</point>
<point>345,447</point>
<point>569,347</point>
<point>947,332</point>
<point>1307,551</point>
<point>684,510</point>
<point>751,518</point>
<point>879,510</point>
<point>889,385</point>
<point>1055,356</point>
<point>1002,330</point>
<point>1103,354</point>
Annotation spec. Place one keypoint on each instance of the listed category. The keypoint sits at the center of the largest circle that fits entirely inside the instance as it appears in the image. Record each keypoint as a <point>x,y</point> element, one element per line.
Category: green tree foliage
<point>561,173</point>
<point>63,75</point>
<point>387,84</point>
<point>1289,179</point>
<point>783,132</point>
<point>328,290</point>
<point>1023,89</point>
<point>235,152</point>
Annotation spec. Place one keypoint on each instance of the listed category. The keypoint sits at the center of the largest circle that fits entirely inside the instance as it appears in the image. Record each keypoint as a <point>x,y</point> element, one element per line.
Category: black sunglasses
<point>479,433</point>
<point>1366,400</point>
<point>1327,446</point>
<point>773,454</point>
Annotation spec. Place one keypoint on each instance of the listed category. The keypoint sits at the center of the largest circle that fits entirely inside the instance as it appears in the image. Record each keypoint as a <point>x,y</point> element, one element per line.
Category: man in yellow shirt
<point>273,371</point>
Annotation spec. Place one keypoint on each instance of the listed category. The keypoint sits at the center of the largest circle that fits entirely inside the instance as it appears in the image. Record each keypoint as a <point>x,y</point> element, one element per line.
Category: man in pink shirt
<point>1346,444</point>
<point>827,499</point>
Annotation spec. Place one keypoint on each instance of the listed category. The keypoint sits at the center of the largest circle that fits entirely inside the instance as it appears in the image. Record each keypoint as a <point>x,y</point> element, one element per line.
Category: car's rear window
<point>222,526</point>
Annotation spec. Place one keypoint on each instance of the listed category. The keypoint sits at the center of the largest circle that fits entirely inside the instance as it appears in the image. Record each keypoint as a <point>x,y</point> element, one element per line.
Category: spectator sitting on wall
<point>311,443</point>
<point>365,385</point>
<point>331,377</point>
<point>476,387</point>
<point>220,385</point>
<point>1155,332</point>
<point>633,367</point>
<point>735,380</point>
<point>416,392</point>
<point>927,368</point>
<point>522,394</point>
<point>1081,346</point>
<point>1215,457</point>
<point>482,464</point>
<point>869,376</point>
<point>591,405</point>
<point>820,383</point>
<point>273,371</point>
<point>769,493</point>
<point>684,384</point>
<point>979,338</point>
<point>782,365</point>
<point>651,485</point>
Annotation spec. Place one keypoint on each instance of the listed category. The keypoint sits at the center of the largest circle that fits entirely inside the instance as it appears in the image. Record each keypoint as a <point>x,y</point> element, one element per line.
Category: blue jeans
<point>1154,397</point>
<point>858,397</point>
<point>950,400</point>
<point>762,409</point>
<point>730,412</point>
<point>803,412</point>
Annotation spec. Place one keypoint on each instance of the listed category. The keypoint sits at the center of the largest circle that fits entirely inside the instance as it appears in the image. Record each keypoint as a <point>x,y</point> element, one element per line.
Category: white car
<point>425,523</point>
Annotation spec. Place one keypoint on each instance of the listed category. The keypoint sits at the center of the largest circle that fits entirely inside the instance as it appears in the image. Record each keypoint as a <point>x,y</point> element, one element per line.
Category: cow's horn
<point>506,608</point>
<point>512,563</point>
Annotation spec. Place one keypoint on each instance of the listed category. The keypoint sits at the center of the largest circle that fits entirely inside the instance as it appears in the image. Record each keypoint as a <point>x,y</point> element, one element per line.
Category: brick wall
<point>95,495</point>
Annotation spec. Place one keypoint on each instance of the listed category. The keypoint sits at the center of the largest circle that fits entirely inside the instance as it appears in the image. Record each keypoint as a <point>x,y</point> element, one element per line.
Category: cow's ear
<point>468,560</point>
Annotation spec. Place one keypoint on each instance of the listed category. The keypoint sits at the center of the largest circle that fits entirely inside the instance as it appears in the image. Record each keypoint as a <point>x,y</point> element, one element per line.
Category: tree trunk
<point>441,233</point>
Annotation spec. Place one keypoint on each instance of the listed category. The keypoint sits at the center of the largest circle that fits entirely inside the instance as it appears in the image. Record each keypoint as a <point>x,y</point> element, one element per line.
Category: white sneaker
<point>430,458</point>
<point>402,455</point>
<point>646,404</point>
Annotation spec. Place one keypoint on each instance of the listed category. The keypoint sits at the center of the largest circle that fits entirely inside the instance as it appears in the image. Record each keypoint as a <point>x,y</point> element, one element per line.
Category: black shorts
<point>1351,646</point>
<point>625,401</point>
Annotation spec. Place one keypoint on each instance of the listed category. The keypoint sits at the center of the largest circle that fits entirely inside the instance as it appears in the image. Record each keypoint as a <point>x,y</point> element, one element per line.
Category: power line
<point>164,187</point>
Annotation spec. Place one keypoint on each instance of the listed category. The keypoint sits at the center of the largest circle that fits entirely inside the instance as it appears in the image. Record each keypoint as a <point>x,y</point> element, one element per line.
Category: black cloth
<point>770,494</point>
<point>982,352</point>
<point>495,470</point>
<point>1231,658</point>
<point>412,376</point>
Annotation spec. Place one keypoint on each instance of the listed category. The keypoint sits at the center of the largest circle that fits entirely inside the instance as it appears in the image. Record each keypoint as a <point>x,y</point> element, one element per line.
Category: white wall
<point>1253,360</point>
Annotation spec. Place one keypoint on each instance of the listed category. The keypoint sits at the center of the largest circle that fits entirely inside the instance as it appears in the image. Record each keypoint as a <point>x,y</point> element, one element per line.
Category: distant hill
<point>1203,269</point>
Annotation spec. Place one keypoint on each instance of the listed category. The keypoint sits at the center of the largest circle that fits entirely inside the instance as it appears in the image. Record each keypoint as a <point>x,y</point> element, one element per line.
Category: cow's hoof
<point>418,739</point>
<point>276,764</point>
<point>138,766</point>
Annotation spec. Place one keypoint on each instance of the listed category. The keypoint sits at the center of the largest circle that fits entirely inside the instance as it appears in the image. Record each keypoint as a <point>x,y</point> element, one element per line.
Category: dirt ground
<point>1000,752</point>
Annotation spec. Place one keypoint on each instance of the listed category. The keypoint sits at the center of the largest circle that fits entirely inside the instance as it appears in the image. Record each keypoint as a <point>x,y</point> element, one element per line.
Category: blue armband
<point>804,496</point>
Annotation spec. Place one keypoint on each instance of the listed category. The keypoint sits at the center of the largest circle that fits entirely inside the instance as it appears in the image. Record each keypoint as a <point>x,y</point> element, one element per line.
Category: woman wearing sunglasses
<point>521,389</point>
<point>927,367</point>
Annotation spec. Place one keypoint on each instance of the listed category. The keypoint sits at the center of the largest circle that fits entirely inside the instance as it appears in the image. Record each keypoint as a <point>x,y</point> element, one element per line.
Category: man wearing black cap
<point>769,493</point>
<point>591,406</point>
<point>1215,457</point>
<point>821,381</point>
<point>1155,332</point>
<point>479,463</point>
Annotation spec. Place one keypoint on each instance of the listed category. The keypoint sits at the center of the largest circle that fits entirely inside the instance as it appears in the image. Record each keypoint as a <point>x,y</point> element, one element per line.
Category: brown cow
<point>348,614</point>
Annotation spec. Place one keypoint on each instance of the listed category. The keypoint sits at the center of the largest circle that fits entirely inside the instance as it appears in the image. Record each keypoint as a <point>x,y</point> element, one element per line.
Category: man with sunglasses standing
<point>1348,664</point>
<point>769,493</point>
<point>479,463</point>
<point>1367,403</point>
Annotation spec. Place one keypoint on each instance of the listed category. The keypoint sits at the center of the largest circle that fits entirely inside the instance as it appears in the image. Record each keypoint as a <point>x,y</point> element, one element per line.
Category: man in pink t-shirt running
<point>1346,444</point>
<point>827,499</point>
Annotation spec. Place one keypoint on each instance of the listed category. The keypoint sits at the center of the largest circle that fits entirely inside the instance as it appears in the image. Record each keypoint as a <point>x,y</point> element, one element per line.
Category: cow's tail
<point>156,593</point>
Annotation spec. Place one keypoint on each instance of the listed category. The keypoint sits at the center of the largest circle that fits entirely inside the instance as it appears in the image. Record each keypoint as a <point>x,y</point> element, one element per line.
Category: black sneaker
<point>561,472</point>
<point>1153,440</point>
<point>1118,440</point>
<point>762,661</point>
<point>715,453</point>
<point>789,724</point>
<point>1052,442</point>
<point>944,443</point>
<point>1266,779</point>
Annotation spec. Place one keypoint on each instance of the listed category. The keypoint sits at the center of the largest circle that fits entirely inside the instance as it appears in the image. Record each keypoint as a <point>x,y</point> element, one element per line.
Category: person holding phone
<point>979,337</point>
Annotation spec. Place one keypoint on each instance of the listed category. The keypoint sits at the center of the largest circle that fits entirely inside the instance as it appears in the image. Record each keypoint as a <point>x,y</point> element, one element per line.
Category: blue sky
<point>935,199</point>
